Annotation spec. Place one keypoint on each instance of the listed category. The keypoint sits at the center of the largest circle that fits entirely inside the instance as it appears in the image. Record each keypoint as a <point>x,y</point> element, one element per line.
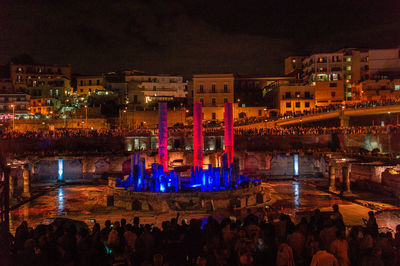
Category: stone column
<point>346,179</point>
<point>12,181</point>
<point>27,182</point>
<point>332,178</point>
<point>344,120</point>
<point>162,135</point>
<point>228,132</point>
<point>197,135</point>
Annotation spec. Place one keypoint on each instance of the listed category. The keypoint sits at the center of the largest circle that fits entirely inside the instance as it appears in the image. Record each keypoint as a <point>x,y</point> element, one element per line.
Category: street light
<point>86,107</point>
<point>13,107</point>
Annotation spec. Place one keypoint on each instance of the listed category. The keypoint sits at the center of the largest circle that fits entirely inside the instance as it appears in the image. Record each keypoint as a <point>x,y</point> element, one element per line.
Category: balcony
<point>293,97</point>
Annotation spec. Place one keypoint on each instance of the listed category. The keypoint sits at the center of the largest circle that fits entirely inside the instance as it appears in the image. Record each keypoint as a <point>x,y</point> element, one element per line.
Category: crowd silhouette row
<point>256,131</point>
<point>261,238</point>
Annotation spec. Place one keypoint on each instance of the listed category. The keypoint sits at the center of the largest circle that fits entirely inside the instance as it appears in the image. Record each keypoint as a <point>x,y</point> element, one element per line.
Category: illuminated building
<point>295,98</point>
<point>383,63</point>
<point>86,85</point>
<point>336,73</point>
<point>253,90</point>
<point>16,104</point>
<point>42,106</point>
<point>294,66</point>
<point>24,76</point>
<point>145,90</point>
<point>56,88</point>
<point>213,91</point>
<point>377,90</point>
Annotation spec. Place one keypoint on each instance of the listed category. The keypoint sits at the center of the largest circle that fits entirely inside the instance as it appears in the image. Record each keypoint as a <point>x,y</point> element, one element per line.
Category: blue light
<point>60,169</point>
<point>156,180</point>
<point>296,164</point>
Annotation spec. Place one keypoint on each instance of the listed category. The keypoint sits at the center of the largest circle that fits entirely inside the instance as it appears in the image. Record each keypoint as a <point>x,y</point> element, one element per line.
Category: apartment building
<point>295,98</point>
<point>86,85</point>
<point>377,90</point>
<point>252,90</point>
<point>294,66</point>
<point>213,91</point>
<point>57,88</point>
<point>384,63</point>
<point>25,76</point>
<point>6,86</point>
<point>145,90</point>
<point>13,103</point>
<point>42,106</point>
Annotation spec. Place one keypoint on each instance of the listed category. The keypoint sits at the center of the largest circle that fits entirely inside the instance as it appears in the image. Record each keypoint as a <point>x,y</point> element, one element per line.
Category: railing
<point>339,107</point>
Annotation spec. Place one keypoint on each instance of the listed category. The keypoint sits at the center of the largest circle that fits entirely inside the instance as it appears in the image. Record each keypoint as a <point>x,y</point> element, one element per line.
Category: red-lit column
<point>197,135</point>
<point>228,136</point>
<point>162,135</point>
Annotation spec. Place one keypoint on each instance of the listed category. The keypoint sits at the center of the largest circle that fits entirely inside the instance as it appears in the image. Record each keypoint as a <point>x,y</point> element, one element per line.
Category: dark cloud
<point>190,36</point>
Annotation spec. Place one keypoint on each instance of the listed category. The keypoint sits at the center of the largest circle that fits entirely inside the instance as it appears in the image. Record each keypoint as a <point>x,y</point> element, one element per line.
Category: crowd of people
<point>321,239</point>
<point>317,130</point>
<point>338,107</point>
<point>260,131</point>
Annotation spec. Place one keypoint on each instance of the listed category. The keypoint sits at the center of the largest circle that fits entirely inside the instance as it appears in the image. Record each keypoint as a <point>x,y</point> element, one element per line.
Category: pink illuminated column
<point>162,135</point>
<point>228,136</point>
<point>197,135</point>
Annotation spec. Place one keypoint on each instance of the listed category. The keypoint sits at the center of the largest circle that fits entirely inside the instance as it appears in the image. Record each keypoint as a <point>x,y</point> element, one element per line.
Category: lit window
<point>348,59</point>
<point>396,87</point>
<point>347,68</point>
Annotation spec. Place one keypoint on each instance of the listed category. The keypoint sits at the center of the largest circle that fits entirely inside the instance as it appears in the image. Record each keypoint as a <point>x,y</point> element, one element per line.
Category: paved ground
<point>296,198</point>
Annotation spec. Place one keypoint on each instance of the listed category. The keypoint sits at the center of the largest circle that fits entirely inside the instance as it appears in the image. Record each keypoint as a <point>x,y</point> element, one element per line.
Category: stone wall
<point>250,163</point>
<point>51,124</point>
<point>185,201</point>
<point>385,143</point>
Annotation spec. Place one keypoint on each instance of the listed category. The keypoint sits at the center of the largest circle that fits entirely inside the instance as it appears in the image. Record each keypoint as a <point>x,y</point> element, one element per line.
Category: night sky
<point>191,36</point>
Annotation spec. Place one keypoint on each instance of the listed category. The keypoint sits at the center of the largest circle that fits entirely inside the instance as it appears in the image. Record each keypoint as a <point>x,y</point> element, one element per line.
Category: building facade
<point>41,106</point>
<point>13,103</point>
<point>377,90</point>
<point>295,98</point>
<point>6,86</point>
<point>252,90</point>
<point>383,63</point>
<point>294,66</point>
<point>86,85</point>
<point>146,91</point>
<point>25,76</point>
<point>57,88</point>
<point>213,91</point>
